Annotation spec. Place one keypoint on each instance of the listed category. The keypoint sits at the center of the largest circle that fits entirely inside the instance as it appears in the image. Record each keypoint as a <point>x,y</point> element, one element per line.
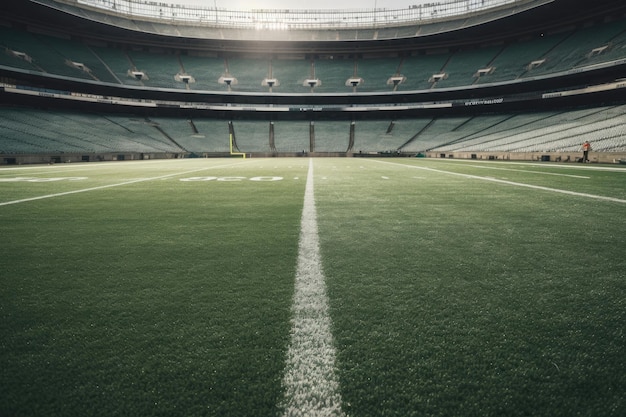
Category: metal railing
<point>294,18</point>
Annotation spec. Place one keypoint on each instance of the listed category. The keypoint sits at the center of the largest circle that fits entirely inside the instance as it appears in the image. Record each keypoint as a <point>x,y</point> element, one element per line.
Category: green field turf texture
<point>449,295</point>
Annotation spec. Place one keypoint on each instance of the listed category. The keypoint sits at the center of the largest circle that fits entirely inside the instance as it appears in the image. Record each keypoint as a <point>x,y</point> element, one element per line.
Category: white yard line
<point>311,386</point>
<point>102,187</point>
<point>517,184</point>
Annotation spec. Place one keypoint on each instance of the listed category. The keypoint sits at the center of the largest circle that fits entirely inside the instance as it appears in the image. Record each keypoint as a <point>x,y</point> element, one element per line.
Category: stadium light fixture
<point>138,75</point>
<point>484,71</point>
<point>535,64</point>
<point>185,78</point>
<point>78,65</point>
<point>438,77</point>
<point>354,81</point>
<point>312,82</point>
<point>396,80</point>
<point>270,82</point>
<point>597,51</point>
<point>21,55</point>
<point>228,80</point>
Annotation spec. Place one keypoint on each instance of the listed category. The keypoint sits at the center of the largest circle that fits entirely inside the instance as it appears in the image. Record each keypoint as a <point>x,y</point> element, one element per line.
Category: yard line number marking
<point>518,184</point>
<point>102,187</point>
<point>311,386</point>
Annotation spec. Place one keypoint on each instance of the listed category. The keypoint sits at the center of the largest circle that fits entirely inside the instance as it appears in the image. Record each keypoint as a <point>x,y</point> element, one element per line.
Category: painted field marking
<point>102,187</point>
<point>82,166</point>
<point>40,170</point>
<point>574,166</point>
<point>517,184</point>
<point>532,172</point>
<point>311,386</point>
<point>231,179</point>
<point>41,179</point>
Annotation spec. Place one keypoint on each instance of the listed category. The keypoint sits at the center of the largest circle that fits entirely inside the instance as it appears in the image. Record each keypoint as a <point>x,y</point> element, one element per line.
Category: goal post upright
<point>230,140</point>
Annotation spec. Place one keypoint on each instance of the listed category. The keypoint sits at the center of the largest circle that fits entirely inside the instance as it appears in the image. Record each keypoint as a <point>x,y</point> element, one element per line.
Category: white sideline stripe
<point>517,184</point>
<point>311,386</point>
<point>85,165</point>
<point>576,166</point>
<point>533,172</point>
<point>102,187</point>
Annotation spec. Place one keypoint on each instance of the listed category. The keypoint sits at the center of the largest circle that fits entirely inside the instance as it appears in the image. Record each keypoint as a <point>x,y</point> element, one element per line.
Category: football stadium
<point>362,212</point>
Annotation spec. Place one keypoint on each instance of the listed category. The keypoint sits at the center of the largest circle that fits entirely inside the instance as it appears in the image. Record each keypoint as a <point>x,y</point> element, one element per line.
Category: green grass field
<point>456,288</point>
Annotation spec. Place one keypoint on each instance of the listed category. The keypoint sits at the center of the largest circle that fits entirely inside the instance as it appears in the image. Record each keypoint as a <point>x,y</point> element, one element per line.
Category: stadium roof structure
<point>109,30</point>
<point>441,24</point>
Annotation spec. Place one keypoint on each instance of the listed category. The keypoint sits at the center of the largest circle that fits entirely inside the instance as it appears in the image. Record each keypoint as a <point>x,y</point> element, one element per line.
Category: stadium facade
<point>86,80</point>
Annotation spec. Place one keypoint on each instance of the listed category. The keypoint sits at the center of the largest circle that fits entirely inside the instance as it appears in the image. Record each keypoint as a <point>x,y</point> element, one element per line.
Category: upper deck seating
<point>118,63</point>
<point>42,56</point>
<point>577,46</point>
<point>464,67</point>
<point>206,72</point>
<point>160,70</point>
<point>179,69</point>
<point>249,73</point>
<point>376,73</point>
<point>419,70</point>
<point>514,59</point>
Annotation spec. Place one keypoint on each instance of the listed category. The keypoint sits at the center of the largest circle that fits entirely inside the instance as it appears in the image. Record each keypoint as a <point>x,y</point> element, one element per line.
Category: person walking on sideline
<point>586,149</point>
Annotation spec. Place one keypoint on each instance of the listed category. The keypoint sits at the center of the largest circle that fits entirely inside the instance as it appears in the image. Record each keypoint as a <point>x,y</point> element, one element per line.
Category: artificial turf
<point>449,295</point>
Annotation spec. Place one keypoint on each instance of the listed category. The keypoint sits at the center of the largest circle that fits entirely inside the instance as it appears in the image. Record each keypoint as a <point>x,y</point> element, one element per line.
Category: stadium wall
<point>66,158</point>
<point>575,87</point>
<point>564,157</point>
<point>545,157</point>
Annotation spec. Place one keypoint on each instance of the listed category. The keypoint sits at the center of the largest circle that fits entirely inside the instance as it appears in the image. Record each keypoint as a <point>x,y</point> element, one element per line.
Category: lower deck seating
<point>40,132</point>
<point>563,131</point>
